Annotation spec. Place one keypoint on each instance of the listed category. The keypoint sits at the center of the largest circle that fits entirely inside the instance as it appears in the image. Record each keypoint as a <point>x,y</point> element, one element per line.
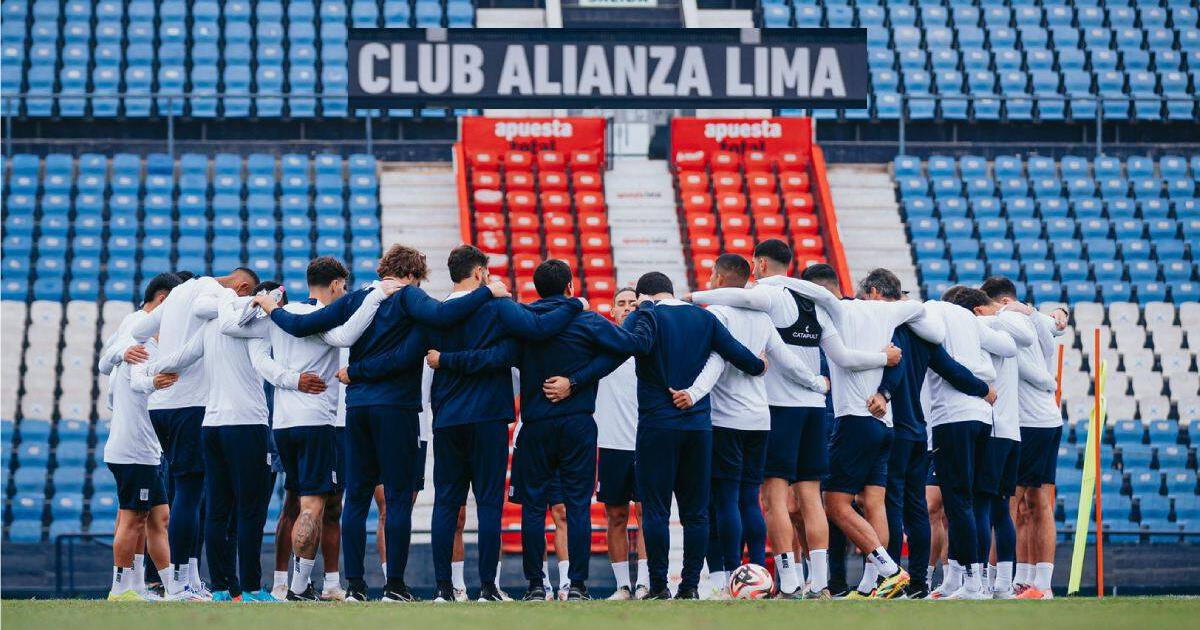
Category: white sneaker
<point>279,592</point>
<point>964,593</point>
<point>641,591</point>
<point>460,595</point>
<point>621,594</point>
<point>333,593</point>
<point>201,589</point>
<point>1003,594</point>
<point>187,595</point>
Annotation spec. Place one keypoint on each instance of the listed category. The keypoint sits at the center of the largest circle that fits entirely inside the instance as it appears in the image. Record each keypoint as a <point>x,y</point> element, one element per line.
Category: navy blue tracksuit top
<point>683,337</point>
<point>392,327</point>
<point>904,380</point>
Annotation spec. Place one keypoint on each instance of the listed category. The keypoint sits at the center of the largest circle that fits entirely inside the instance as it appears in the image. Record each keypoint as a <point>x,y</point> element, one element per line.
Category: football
<point>750,581</point>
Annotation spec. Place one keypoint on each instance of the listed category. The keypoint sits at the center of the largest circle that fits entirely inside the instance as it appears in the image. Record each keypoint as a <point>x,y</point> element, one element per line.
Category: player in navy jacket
<point>382,429</point>
<point>674,435</point>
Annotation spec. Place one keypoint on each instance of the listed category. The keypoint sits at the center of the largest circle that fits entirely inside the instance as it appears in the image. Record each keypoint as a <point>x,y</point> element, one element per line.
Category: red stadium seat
<point>521,201</point>
<point>587,181</point>
<point>498,265</point>
<point>598,264</point>
<point>760,183</point>
<point>519,160</point>
<point>806,261</point>
<point>769,225</point>
<point>525,285</point>
<point>489,221</point>
<point>702,264</point>
<point>601,286</point>
<point>804,224</point>
<point>593,222</point>
<point>485,179</point>
<point>526,243</point>
<point>764,203</point>
<point>602,305</point>
<point>727,182</point>
<point>585,160</point>
<point>731,203</point>
<point>551,161</point>
<point>552,180</point>
<point>698,202</point>
<point>757,162</point>
<point>701,223</point>
<point>693,181</point>
<point>705,244</point>
<point>725,161</point>
<point>793,161</point>
<point>690,160</point>
<point>808,246</point>
<point>589,201</point>
<point>558,222</point>
<point>523,222</point>
<point>595,243</point>
<point>800,203</point>
<point>488,200</point>
<point>794,182</point>
<point>485,160</point>
<point>492,242</point>
<point>560,246</point>
<point>743,245</point>
<point>556,201</point>
<point>525,263</point>
<point>518,180</point>
<point>735,225</point>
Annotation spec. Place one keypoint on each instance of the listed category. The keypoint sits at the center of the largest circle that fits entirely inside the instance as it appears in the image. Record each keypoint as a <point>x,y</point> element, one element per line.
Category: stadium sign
<point>608,68</point>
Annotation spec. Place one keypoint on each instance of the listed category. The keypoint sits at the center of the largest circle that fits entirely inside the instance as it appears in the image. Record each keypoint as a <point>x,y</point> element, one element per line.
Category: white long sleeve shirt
<point>969,342</point>
<point>131,438</point>
<point>289,357</point>
<point>177,321</point>
<point>739,400</point>
<point>113,352</point>
<point>1006,415</point>
<point>617,408</point>
<point>770,295</point>
<point>235,395</point>
<point>1037,366</point>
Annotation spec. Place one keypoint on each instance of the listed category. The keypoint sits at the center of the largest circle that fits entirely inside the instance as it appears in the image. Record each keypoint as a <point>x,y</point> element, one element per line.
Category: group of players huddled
<point>781,412</point>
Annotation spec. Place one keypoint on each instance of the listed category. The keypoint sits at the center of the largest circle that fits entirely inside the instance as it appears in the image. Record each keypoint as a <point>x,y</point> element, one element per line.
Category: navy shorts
<point>309,458</point>
<point>183,450</point>
<point>548,450</point>
<point>797,448</point>
<point>139,486</point>
<point>859,455</point>
<point>960,450</point>
<point>739,455</point>
<point>339,455</point>
<point>997,472</point>
<point>1039,456</point>
<point>419,478</point>
<point>615,484</point>
<point>931,478</point>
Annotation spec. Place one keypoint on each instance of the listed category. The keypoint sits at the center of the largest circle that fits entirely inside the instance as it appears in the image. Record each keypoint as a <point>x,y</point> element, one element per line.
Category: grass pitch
<point>1142,613</point>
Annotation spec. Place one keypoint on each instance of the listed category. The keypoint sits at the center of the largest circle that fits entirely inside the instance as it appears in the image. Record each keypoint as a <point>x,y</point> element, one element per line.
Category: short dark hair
<point>551,278</point>
<point>400,261</point>
<point>625,289</point>
<point>774,249</point>
<point>323,270</point>
<point>463,260</point>
<point>267,286</point>
<point>249,272</point>
<point>734,266</point>
<point>969,298</point>
<point>164,281</point>
<point>949,294</point>
<point>999,287</point>
<point>653,283</point>
<point>184,275</point>
<point>820,273</point>
<point>883,281</point>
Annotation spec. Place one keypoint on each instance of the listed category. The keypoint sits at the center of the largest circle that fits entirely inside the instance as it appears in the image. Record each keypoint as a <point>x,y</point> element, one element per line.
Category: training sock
<point>183,577</point>
<point>801,577</point>
<point>1024,573</point>
<point>333,579</point>
<point>168,580</point>
<point>883,562</point>
<point>564,571</point>
<point>118,580</point>
<point>194,574</point>
<point>499,564</point>
<point>1004,575</point>
<point>952,575</point>
<point>281,579</point>
<point>1042,574</point>
<point>546,575</point>
<point>869,578</point>
<point>974,579</point>
<point>304,567</point>
<point>991,577</point>
<point>384,566</point>
<point>621,572</point>
<point>643,572</point>
<point>788,580</point>
<point>456,575</point>
<point>818,570</point>
<point>139,572</point>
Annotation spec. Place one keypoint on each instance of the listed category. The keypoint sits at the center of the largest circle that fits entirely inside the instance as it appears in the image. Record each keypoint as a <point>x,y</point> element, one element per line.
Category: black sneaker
<point>839,593</point>
<point>490,593</point>
<point>309,595</point>
<point>399,594</point>
<point>444,593</point>
<point>578,594</point>
<point>915,591</point>
<point>356,591</point>
<point>687,593</point>
<point>535,593</point>
<point>796,594</point>
<point>662,593</point>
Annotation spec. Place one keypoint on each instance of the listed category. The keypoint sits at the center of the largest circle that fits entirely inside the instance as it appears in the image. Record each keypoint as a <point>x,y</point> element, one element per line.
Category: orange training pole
<point>1099,437</point>
<point>1058,377</point>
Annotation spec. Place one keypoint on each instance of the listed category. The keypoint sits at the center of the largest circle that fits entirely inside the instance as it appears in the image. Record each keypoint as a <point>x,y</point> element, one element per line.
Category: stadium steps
<point>510,18</point>
<point>869,221</point>
<point>643,221</point>
<point>419,207</point>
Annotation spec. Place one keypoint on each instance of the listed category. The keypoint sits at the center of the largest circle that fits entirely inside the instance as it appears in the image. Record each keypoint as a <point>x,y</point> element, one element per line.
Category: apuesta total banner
<point>608,68</point>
